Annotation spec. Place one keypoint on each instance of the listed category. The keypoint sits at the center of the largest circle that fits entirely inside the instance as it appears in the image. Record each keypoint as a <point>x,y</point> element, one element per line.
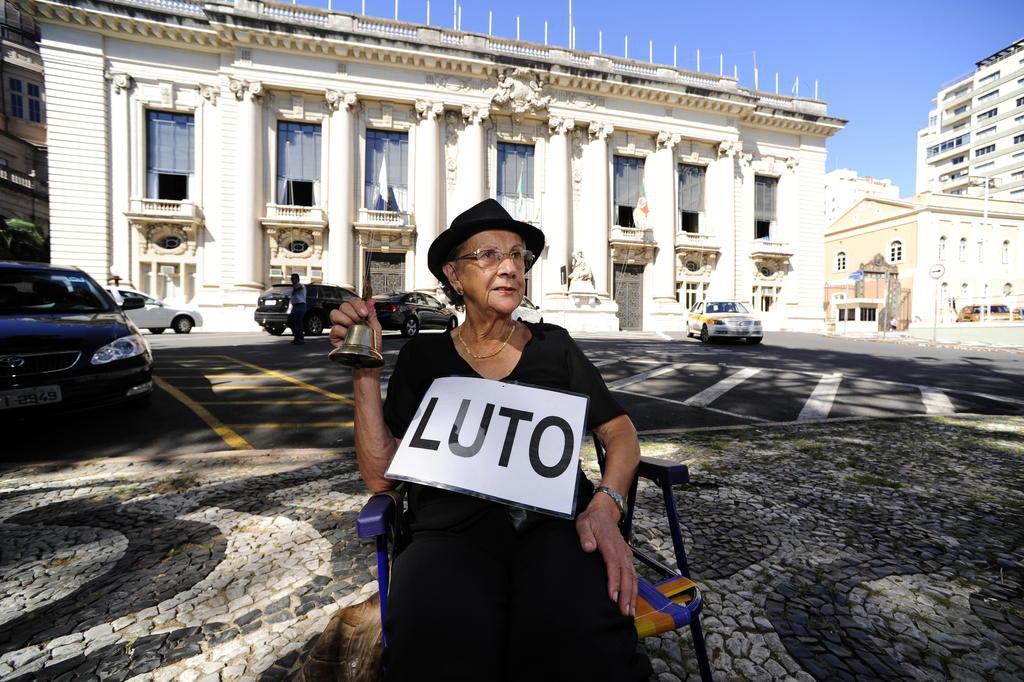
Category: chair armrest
<point>662,471</point>
<point>377,515</point>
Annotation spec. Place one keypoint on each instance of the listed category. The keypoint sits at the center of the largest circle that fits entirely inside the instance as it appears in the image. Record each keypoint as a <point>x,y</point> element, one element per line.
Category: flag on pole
<point>642,210</point>
<point>382,179</point>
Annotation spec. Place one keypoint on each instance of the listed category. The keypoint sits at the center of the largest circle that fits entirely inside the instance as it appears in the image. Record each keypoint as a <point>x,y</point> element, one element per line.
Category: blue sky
<point>878,64</point>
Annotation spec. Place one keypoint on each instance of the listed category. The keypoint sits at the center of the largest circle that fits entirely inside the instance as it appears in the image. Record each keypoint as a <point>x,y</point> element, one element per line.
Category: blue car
<point>65,344</point>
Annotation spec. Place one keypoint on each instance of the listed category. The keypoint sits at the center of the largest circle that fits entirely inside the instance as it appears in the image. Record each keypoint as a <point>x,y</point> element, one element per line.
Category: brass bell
<point>358,350</point>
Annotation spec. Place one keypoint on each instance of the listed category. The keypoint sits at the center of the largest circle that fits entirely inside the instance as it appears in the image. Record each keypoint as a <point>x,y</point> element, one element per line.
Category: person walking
<point>297,318</point>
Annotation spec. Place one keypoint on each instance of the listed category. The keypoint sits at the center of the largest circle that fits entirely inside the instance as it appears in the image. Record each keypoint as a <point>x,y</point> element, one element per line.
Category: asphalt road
<point>239,391</point>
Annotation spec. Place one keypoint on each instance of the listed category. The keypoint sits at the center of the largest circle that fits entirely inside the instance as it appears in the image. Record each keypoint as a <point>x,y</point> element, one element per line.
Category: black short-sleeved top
<point>550,359</point>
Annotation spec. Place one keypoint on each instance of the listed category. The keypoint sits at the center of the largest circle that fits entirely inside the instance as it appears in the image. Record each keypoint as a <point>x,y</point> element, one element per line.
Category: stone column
<point>209,192</point>
<point>474,180</point>
<point>248,239</point>
<point>339,264</point>
<point>661,183</point>
<point>596,202</point>
<point>427,187</point>
<point>721,212</point>
<point>121,139</point>
<point>557,203</point>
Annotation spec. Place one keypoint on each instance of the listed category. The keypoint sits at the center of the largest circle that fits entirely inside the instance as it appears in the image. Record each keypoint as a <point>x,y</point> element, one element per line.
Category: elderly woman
<point>481,590</point>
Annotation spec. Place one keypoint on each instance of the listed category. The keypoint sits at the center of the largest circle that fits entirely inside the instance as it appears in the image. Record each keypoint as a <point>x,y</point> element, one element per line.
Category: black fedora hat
<point>487,215</point>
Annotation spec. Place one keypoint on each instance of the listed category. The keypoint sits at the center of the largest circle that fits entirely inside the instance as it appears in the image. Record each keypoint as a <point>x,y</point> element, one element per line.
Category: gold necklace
<point>491,355</point>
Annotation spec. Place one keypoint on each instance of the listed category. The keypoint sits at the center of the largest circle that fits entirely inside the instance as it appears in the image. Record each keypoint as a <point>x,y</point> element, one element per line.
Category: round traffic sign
<point>937,270</point>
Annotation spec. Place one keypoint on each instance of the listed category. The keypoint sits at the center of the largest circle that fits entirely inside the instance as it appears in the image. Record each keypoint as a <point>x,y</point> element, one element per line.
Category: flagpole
<point>428,12</point>
<point>545,31</point>
<point>675,55</point>
<point>600,42</point>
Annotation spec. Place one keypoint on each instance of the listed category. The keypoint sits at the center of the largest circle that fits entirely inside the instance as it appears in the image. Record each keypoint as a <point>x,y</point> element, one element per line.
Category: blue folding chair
<point>663,606</point>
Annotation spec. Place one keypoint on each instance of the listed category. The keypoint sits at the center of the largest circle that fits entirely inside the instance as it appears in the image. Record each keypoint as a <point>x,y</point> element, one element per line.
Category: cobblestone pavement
<point>885,549</point>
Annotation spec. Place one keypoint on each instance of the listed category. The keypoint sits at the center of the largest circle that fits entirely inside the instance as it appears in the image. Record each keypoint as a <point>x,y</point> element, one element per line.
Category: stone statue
<point>581,279</point>
<point>520,91</point>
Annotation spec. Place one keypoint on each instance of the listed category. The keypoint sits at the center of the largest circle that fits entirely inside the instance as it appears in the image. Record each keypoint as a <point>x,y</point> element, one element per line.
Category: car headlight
<point>120,349</point>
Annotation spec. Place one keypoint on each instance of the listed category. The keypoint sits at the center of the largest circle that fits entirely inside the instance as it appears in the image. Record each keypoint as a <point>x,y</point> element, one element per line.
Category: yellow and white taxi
<point>712,320</point>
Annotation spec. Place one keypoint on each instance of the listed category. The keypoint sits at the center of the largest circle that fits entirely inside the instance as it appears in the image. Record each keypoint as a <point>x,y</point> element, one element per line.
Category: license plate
<point>27,397</point>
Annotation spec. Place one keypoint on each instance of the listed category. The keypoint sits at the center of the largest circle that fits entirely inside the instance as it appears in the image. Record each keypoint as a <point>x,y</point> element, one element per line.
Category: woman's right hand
<point>349,313</point>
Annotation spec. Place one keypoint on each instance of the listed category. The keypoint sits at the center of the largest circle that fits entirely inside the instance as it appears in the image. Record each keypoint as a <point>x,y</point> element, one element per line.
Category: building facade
<point>204,151</point>
<point>978,247</point>
<point>23,167</point>
<point>844,188</point>
<point>975,133</point>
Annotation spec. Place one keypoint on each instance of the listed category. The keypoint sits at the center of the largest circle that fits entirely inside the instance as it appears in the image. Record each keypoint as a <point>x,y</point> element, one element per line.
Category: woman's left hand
<point>598,530</point>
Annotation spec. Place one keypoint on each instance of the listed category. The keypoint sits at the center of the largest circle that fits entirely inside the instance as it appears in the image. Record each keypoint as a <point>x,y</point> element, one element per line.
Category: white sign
<point>512,443</point>
<point>937,270</point>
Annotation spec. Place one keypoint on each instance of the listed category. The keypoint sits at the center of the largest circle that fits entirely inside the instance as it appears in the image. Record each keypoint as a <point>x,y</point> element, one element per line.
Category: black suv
<point>410,312</point>
<point>273,307</point>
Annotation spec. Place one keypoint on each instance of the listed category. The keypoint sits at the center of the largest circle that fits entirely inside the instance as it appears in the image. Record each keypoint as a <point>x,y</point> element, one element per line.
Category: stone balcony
<point>766,248</point>
<point>697,242</point>
<point>284,216</point>
<point>632,244</point>
<point>163,211</point>
<point>385,229</point>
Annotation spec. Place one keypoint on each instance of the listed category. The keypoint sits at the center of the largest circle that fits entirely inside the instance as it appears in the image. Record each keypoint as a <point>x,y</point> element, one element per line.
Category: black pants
<point>297,321</point>
<point>488,604</point>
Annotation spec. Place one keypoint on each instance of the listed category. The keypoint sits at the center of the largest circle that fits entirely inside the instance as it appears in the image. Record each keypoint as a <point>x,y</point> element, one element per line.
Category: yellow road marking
<point>242,387</point>
<point>295,425</point>
<point>267,402</point>
<point>229,436</point>
<point>293,380</point>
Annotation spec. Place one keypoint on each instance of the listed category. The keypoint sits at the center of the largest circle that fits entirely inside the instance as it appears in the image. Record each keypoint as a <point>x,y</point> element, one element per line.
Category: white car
<point>157,316</point>
<point>712,320</point>
<point>527,312</point>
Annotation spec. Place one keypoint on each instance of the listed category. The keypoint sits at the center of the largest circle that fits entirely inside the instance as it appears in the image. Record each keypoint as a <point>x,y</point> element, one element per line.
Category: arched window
<point>985,293</point>
<point>841,261</point>
<point>896,252</point>
<point>963,248</point>
<point>942,248</point>
<point>981,250</point>
<point>1006,252</point>
<point>963,290</point>
<point>944,295</point>
<point>1007,289</point>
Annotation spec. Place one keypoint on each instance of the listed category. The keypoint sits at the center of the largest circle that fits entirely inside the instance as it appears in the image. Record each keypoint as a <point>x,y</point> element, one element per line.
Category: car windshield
<point>727,307</point>
<point>48,292</point>
<point>278,290</point>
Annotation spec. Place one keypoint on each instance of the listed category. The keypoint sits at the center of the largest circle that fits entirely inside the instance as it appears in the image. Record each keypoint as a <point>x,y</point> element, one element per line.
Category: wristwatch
<point>620,501</point>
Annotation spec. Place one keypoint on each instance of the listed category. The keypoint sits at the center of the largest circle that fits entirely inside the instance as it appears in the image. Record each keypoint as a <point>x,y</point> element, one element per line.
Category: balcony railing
<point>520,208</point>
<point>163,209</point>
<point>697,241</point>
<point>386,220</point>
<point>631,235</point>
<point>768,247</point>
<point>16,177</point>
<point>291,214</point>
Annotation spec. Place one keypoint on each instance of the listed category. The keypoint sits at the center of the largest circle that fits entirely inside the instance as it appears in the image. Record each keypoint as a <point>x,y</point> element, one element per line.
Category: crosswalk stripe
<point>935,401</point>
<point>649,374</point>
<point>820,403</point>
<point>713,393</point>
<point>680,402</point>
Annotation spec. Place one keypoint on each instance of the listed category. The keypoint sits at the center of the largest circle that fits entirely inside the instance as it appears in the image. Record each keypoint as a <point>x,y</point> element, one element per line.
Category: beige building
<point>975,246</point>
<point>844,187</point>
<point>23,178</point>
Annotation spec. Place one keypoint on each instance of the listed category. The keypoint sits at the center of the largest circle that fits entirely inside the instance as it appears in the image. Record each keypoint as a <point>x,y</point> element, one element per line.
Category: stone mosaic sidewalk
<point>857,550</point>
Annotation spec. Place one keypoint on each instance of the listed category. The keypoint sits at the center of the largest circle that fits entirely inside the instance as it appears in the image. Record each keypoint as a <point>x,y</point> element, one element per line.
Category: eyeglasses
<point>490,258</point>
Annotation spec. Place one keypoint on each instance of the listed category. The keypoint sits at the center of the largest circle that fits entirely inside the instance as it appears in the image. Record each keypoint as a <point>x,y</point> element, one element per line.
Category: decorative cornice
<point>239,87</point>
<point>210,93</point>
<point>122,82</point>
<point>428,110</point>
<point>667,140</point>
<point>600,131</point>
<point>340,101</point>
<point>475,115</point>
<point>559,125</point>
<point>729,148</point>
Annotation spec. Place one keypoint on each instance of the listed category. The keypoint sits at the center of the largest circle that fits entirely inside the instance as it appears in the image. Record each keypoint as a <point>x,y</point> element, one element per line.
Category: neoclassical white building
<point>206,150</point>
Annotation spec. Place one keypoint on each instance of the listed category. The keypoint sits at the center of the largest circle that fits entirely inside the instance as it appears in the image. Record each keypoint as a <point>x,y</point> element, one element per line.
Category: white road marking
<point>820,403</point>
<point>649,374</point>
<point>935,401</point>
<point>713,393</point>
<point>683,403</point>
<point>602,363</point>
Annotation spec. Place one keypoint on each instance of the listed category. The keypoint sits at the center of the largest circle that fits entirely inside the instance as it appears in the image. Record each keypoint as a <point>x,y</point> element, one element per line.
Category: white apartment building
<point>844,188</point>
<point>975,133</point>
<point>205,150</point>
